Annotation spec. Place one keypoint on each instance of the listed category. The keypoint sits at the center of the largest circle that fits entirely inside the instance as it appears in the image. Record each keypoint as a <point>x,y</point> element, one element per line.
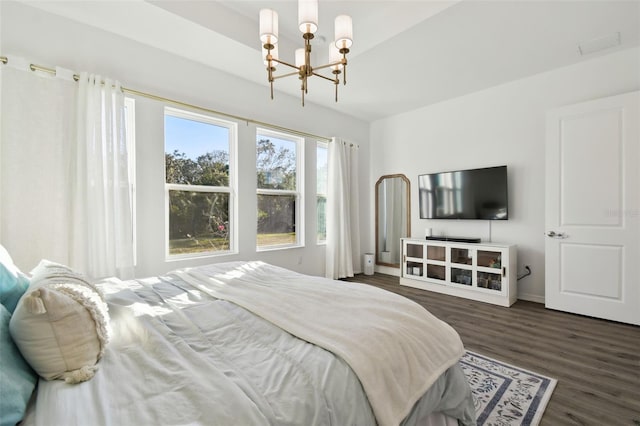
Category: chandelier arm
<point>285,63</point>
<point>325,77</point>
<point>332,64</point>
<point>275,77</point>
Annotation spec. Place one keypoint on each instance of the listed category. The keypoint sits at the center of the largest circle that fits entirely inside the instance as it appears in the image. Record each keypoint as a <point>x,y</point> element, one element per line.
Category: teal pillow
<point>13,283</point>
<point>17,379</point>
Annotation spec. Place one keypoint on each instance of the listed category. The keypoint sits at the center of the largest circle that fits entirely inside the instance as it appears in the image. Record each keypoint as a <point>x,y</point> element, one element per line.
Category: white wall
<point>497,126</point>
<point>50,40</point>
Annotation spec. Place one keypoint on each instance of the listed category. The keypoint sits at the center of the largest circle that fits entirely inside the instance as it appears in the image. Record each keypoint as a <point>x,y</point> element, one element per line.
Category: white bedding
<point>395,346</point>
<point>180,356</point>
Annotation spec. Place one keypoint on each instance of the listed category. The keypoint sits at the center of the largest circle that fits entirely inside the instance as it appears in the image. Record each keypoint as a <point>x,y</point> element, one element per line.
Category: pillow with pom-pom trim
<point>61,324</point>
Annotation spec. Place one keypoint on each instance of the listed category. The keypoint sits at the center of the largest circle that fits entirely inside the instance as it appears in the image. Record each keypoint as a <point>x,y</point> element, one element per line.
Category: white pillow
<point>61,324</point>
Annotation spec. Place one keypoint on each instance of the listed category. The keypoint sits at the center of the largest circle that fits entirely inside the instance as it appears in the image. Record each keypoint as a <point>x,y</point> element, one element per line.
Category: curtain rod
<point>76,77</point>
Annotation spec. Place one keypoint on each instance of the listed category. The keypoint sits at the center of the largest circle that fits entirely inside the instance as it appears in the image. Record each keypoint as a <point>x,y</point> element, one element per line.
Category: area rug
<point>505,395</point>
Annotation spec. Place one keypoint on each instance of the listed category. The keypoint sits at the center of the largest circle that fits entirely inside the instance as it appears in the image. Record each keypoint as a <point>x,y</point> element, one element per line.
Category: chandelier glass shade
<point>308,25</point>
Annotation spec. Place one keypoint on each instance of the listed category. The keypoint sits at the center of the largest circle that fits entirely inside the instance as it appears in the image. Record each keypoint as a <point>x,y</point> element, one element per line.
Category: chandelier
<point>308,24</point>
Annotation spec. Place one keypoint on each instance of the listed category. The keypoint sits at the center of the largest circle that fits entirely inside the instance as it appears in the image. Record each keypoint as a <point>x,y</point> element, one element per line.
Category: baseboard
<point>387,270</point>
<point>531,297</point>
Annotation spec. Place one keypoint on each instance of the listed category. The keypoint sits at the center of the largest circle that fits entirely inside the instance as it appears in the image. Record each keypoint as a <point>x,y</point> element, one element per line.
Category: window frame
<point>299,225</point>
<point>231,189</point>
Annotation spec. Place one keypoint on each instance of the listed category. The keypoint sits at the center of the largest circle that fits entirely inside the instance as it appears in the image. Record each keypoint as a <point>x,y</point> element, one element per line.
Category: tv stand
<point>484,272</point>
<point>455,239</point>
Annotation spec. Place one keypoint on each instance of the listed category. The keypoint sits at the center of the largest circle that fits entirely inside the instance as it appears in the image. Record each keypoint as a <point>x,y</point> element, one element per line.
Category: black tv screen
<point>464,194</point>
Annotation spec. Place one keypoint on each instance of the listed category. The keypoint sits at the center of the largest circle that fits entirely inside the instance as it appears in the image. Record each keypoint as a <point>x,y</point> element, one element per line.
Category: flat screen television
<point>464,194</point>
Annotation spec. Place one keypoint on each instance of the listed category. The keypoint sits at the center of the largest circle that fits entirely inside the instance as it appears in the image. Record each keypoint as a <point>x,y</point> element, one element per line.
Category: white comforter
<point>396,347</point>
<point>182,357</point>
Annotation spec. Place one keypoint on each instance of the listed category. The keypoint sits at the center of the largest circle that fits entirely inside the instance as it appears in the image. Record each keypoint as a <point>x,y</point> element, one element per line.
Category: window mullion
<point>277,192</point>
<point>197,188</point>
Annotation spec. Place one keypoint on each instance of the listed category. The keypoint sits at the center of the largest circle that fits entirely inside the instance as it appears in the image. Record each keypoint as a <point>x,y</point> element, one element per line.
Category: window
<point>321,190</point>
<point>280,179</point>
<point>199,184</point>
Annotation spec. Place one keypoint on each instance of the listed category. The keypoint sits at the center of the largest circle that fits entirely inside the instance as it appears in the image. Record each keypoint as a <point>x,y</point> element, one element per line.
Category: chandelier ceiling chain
<point>308,25</point>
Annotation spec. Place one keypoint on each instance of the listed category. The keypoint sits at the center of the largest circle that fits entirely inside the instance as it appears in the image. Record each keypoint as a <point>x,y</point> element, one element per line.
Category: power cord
<point>526,274</point>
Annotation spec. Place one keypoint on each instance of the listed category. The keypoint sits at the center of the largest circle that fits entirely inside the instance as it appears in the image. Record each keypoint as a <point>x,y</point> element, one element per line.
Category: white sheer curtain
<point>343,232</point>
<point>102,233</point>
<point>37,126</point>
<point>64,184</point>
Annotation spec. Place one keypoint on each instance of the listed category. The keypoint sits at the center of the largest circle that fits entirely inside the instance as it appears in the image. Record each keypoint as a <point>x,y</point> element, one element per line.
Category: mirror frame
<point>408,212</point>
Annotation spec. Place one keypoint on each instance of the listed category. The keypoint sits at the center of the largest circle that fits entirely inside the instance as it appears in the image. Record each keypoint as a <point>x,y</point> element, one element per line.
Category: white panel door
<point>592,249</point>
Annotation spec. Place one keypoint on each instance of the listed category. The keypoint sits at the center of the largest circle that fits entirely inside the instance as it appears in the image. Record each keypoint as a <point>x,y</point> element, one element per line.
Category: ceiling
<point>405,55</point>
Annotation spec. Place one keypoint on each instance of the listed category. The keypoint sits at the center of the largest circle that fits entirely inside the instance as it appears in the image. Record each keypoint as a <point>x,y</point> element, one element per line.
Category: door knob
<point>553,234</point>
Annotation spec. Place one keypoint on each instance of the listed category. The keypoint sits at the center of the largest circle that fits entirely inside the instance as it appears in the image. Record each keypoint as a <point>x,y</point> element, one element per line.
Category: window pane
<point>276,163</point>
<point>321,206</point>
<point>196,153</point>
<point>198,222</point>
<point>276,220</point>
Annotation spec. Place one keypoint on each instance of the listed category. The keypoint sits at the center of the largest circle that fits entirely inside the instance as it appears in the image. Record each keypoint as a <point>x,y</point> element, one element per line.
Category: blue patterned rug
<point>505,395</point>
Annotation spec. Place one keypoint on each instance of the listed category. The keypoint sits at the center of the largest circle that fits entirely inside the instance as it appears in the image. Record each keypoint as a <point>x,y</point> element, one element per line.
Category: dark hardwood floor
<point>596,362</point>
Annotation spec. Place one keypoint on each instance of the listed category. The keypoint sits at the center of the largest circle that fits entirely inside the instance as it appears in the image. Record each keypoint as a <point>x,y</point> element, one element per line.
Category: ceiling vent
<point>598,44</point>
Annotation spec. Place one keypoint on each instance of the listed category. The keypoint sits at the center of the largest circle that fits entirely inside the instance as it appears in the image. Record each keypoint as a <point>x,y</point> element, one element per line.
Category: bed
<point>249,343</point>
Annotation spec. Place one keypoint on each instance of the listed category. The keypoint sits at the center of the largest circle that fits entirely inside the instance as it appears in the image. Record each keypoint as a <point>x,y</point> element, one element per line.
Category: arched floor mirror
<point>393,217</point>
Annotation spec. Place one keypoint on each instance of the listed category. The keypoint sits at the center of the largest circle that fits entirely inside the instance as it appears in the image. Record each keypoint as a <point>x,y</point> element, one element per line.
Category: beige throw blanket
<point>396,347</point>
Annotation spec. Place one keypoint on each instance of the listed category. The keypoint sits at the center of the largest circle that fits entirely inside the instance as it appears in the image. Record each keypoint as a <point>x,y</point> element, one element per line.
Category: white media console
<point>479,271</point>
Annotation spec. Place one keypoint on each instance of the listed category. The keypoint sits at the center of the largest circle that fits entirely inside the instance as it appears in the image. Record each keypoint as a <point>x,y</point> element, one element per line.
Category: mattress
<point>181,354</point>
